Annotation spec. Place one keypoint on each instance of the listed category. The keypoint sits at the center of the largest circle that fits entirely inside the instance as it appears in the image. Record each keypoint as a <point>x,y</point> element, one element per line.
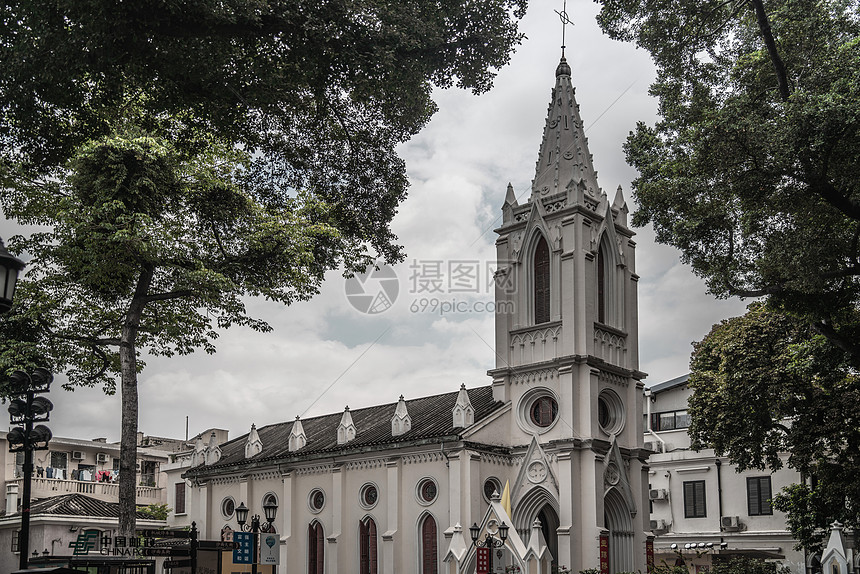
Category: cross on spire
<point>565,20</point>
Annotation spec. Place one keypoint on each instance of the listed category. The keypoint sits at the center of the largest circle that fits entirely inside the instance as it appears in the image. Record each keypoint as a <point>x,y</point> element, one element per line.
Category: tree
<point>320,93</point>
<point>766,384</point>
<point>188,155</point>
<point>753,170</point>
<point>147,249</point>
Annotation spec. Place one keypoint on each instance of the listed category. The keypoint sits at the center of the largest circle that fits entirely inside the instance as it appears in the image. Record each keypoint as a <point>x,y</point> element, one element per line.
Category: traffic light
<point>27,409</point>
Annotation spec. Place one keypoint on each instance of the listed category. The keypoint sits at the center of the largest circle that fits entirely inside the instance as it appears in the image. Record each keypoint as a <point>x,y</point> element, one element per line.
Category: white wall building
<point>394,487</point>
<point>698,499</point>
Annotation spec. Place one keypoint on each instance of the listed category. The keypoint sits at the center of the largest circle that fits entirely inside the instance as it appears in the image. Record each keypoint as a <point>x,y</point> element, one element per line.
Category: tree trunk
<point>128,439</point>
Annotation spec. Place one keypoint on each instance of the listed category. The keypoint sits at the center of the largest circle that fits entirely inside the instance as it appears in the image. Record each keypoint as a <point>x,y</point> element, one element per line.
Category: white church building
<point>394,488</point>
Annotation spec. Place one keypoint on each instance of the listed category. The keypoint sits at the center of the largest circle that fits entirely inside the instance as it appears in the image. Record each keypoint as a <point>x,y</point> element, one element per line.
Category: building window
<point>759,495</point>
<point>543,411</point>
<point>429,547</point>
<point>694,499</point>
<point>368,496</point>
<point>670,420</point>
<point>316,549</point>
<point>59,459</point>
<point>367,563</point>
<point>541,282</point>
<point>491,486</point>
<point>427,491</point>
<point>228,505</point>
<point>15,541</point>
<point>601,286</point>
<point>610,412</point>
<point>179,500</point>
<point>316,500</point>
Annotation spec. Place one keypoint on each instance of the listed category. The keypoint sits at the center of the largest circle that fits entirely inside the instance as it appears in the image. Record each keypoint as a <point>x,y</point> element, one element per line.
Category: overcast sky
<point>325,354</point>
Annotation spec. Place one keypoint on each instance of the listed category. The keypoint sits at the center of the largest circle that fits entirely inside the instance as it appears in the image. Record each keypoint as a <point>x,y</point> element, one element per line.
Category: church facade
<point>552,447</point>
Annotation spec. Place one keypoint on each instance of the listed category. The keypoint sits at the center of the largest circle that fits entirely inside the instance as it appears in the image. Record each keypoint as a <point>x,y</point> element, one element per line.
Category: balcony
<point>107,491</point>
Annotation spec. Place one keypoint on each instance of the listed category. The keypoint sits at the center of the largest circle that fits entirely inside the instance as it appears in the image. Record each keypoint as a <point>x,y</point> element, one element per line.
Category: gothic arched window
<point>541,281</point>
<point>429,547</point>
<point>316,549</point>
<point>601,286</point>
<point>367,559</point>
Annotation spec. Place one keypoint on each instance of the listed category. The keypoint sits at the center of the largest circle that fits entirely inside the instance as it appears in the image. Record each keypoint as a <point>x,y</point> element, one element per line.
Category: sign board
<point>244,554</point>
<point>164,533</point>
<point>270,549</point>
<point>604,554</point>
<point>498,560</point>
<point>165,551</point>
<point>218,544</point>
<point>177,563</point>
<point>483,561</point>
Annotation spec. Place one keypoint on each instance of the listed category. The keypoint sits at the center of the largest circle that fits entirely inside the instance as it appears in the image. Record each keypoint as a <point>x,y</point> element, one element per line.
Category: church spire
<point>564,157</point>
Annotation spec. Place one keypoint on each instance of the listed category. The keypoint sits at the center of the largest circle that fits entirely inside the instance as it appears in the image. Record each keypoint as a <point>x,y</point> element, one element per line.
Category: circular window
<point>316,500</point>
<point>427,491</point>
<point>537,411</point>
<point>543,411</point>
<point>491,486</point>
<point>610,412</point>
<point>228,506</point>
<point>368,496</point>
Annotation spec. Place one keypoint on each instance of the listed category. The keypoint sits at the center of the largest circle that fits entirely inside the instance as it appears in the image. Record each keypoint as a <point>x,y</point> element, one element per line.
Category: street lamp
<point>270,510</point>
<point>489,541</point>
<point>9,268</point>
<point>24,410</point>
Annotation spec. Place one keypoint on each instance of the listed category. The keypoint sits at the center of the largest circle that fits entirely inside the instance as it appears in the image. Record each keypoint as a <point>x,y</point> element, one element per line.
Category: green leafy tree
<point>320,93</point>
<point>753,170</point>
<point>766,384</point>
<point>184,156</point>
<point>148,249</point>
<point>753,173</point>
<point>156,511</point>
<point>745,565</point>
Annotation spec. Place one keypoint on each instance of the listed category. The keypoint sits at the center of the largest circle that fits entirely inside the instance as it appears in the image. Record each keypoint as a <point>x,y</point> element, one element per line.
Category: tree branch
<point>770,44</point>
<point>824,327</point>
<point>167,296</point>
<point>109,342</point>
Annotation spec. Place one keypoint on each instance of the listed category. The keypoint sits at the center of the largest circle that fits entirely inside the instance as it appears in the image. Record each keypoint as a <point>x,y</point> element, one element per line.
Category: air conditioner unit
<point>652,445</point>
<point>101,458</point>
<point>730,522</point>
<point>658,494</point>
<point>658,525</point>
<point>77,455</point>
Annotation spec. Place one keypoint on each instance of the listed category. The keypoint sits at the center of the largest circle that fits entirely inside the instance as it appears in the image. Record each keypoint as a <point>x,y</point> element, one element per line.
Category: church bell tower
<point>567,348</point>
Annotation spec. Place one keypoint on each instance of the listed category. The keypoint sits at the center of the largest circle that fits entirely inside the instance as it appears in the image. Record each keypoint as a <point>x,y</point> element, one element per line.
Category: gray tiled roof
<point>431,419</point>
<point>77,505</point>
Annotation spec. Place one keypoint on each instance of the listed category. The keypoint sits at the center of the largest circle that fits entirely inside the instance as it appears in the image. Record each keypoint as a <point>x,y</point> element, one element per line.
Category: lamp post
<point>489,540</point>
<point>10,266</point>
<point>270,510</point>
<point>24,410</point>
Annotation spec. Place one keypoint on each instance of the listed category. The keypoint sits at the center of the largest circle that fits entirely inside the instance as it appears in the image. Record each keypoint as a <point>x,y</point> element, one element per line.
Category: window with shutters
<point>367,561</point>
<point>543,411</point>
<point>316,549</point>
<point>179,500</point>
<point>759,495</point>
<point>541,282</point>
<point>694,499</point>
<point>429,547</point>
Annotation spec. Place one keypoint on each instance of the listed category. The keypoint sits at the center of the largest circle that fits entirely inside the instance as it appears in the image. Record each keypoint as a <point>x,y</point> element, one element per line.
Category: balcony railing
<point>108,491</point>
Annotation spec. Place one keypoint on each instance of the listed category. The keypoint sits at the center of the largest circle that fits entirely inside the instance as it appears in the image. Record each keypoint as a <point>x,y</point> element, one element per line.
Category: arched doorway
<point>538,504</point>
<point>619,523</point>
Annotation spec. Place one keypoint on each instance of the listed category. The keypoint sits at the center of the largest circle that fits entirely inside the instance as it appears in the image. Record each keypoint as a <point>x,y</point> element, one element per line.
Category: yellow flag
<point>506,498</point>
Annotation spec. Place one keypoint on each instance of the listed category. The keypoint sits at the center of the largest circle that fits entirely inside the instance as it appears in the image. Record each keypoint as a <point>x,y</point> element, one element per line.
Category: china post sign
<point>244,554</point>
